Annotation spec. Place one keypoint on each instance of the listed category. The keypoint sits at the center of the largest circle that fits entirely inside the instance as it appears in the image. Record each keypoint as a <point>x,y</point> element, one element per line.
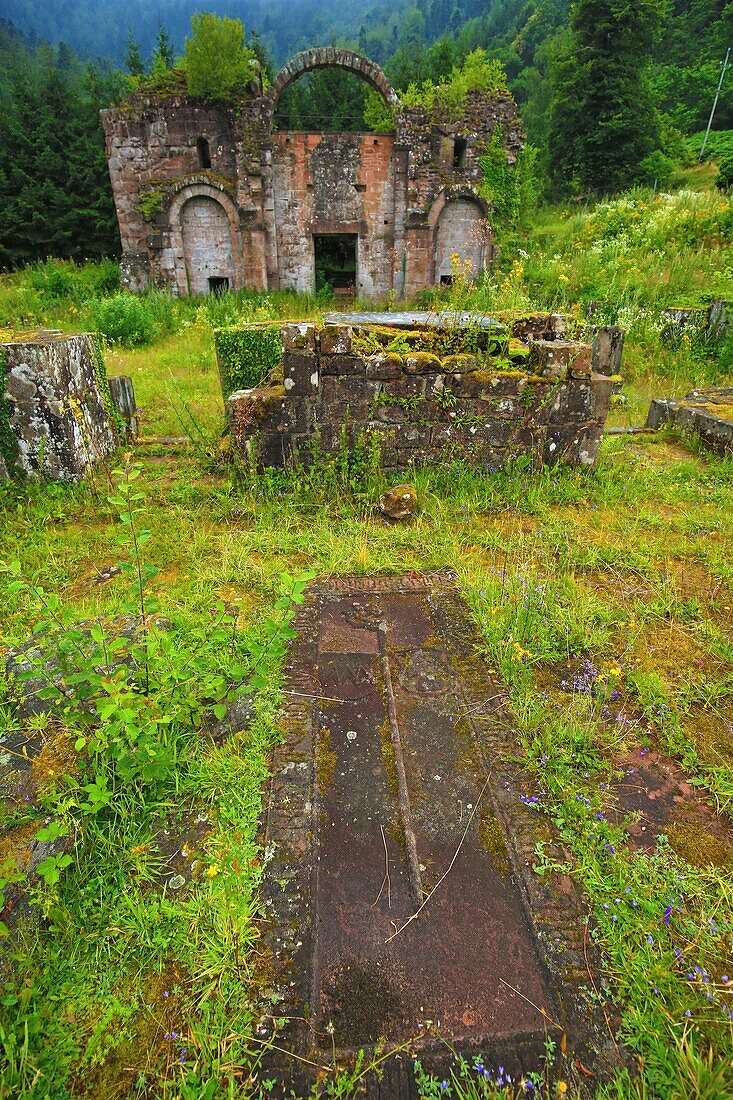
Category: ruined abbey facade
<point>210,197</point>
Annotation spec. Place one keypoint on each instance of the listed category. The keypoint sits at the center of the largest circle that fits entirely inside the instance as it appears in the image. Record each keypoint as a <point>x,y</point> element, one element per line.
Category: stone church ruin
<point>210,197</point>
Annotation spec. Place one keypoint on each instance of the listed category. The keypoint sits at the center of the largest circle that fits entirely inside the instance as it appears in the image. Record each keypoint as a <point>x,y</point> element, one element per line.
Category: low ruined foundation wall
<point>54,407</point>
<point>547,399</point>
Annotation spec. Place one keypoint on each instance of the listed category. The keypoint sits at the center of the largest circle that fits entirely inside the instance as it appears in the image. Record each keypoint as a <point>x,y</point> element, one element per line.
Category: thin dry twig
<point>543,1012</point>
<point>445,874</point>
<point>595,988</point>
<point>386,880</point>
<point>307,695</point>
<point>290,1054</point>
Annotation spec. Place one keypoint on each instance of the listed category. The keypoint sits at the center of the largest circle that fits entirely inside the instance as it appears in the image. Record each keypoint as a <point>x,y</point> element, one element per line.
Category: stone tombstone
<point>54,407</point>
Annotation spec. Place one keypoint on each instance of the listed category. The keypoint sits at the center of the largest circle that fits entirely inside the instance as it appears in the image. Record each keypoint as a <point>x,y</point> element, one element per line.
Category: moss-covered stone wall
<point>426,397</point>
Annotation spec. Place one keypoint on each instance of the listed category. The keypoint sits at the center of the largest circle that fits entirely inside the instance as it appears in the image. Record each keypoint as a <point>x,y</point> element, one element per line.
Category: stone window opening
<point>459,152</point>
<point>203,153</point>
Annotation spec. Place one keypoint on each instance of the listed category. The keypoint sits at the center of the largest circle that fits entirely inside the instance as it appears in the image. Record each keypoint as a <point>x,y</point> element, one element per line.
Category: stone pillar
<point>608,348</point>
<point>135,272</point>
<point>123,398</point>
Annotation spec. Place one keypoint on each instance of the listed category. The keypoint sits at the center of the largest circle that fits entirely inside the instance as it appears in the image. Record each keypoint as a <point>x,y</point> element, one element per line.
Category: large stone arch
<point>329,57</point>
<point>459,220</point>
<point>197,257</point>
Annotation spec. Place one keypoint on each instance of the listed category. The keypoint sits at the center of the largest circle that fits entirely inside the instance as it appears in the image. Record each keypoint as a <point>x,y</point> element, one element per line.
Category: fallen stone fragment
<point>706,413</point>
<point>399,502</point>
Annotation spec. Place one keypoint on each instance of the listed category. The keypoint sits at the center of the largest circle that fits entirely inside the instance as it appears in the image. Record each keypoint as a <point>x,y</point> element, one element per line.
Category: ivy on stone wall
<point>510,189</point>
<point>8,442</point>
<point>247,355</point>
<point>100,374</point>
<point>150,203</point>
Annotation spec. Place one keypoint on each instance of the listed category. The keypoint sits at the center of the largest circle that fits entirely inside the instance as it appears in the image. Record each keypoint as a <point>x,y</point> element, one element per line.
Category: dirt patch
<point>673,650</point>
<point>652,790</point>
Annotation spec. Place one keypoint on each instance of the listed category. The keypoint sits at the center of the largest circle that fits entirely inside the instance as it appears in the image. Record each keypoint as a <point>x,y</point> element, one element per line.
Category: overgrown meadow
<point>603,599</point>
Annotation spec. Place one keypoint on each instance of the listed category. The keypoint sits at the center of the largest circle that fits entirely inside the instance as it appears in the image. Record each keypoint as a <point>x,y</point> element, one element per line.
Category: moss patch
<point>491,836</point>
<point>698,846</point>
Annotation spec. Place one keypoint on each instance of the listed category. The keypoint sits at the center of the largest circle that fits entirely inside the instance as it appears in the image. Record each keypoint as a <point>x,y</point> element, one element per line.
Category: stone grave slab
<point>399,885</point>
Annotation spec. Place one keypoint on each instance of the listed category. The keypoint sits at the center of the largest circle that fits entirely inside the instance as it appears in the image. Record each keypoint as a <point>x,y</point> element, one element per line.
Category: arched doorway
<point>207,245</point>
<point>206,254</point>
<point>462,231</point>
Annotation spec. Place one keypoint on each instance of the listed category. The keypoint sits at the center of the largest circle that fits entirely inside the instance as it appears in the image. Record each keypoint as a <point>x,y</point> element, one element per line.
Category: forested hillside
<point>526,34</point>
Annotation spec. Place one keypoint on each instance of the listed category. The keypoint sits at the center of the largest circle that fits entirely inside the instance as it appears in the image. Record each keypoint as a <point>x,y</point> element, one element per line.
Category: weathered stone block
<point>297,415</point>
<point>707,413</point>
<point>300,373</point>
<point>412,435</point>
<point>559,358</point>
<point>342,365</point>
<point>390,414</point>
<point>384,366</point>
<point>56,398</point>
<point>336,340</point>
<point>352,396</point>
<point>421,362</point>
<point>459,364</point>
<point>608,349</point>
<point>299,337</point>
<point>475,384</point>
<point>135,272</point>
<point>257,410</point>
<point>275,449</point>
<point>407,386</point>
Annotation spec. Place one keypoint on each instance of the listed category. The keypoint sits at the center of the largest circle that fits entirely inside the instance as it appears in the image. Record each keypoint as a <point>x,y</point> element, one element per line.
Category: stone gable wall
<point>420,408</point>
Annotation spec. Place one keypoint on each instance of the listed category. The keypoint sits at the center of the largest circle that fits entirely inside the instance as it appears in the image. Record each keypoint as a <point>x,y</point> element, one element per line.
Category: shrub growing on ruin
<point>448,98</point>
<point>135,320</point>
<point>218,62</point>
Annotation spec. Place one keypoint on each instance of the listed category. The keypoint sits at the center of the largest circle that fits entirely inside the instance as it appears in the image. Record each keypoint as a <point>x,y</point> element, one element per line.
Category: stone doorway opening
<point>335,256</point>
<point>218,284</point>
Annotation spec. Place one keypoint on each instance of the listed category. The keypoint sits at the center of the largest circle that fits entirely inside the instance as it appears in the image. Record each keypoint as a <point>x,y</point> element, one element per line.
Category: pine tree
<point>133,58</point>
<point>604,119</point>
<point>163,56</point>
<point>55,195</point>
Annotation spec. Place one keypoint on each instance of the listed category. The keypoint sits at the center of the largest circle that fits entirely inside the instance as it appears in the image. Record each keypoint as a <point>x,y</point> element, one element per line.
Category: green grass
<point>626,570</point>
